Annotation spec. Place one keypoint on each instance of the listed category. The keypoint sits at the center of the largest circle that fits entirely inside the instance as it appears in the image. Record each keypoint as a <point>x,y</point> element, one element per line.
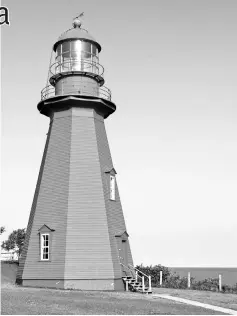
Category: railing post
<point>136,276</point>
<point>126,286</point>
<point>149,283</point>
<point>143,284</point>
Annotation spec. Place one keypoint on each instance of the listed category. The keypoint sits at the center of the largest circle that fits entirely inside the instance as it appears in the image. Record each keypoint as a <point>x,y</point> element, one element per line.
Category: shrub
<point>210,284</point>
<point>154,272</point>
<point>175,281</point>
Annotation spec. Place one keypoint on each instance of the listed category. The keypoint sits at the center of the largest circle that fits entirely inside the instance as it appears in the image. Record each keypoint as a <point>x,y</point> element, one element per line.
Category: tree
<point>2,230</point>
<point>15,241</point>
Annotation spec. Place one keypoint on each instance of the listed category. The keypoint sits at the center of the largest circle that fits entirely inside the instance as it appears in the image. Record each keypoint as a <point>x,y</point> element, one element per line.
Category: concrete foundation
<point>87,285</point>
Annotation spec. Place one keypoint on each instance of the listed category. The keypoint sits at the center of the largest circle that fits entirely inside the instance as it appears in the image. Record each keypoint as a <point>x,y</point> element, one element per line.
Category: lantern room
<point>74,66</point>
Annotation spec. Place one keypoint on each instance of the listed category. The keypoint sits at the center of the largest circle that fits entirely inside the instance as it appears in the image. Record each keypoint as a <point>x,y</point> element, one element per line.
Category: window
<point>112,187</point>
<point>44,247</point>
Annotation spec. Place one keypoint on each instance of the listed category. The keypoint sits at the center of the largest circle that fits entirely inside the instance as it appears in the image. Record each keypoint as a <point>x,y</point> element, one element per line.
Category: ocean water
<point>229,275</point>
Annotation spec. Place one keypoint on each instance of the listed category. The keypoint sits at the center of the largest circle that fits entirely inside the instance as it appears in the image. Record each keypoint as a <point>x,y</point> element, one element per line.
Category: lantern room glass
<point>77,55</point>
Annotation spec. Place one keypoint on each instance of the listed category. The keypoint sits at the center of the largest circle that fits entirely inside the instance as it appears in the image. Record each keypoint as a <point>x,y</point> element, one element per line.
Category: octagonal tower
<point>76,235</point>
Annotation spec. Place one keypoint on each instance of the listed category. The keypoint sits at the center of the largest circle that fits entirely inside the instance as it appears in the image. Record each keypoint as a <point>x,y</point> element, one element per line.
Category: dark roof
<point>77,33</point>
<point>108,170</point>
<point>121,233</point>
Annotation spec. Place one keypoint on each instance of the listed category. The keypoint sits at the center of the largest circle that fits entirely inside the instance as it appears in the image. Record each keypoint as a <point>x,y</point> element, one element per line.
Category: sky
<point>171,66</point>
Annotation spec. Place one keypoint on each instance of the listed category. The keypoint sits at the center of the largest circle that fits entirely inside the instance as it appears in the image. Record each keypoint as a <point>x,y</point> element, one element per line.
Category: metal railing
<point>145,279</point>
<point>102,92</point>
<point>74,64</point>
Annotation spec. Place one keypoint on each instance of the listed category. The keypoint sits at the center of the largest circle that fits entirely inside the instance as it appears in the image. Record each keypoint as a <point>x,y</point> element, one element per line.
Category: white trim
<point>112,187</point>
<point>42,246</point>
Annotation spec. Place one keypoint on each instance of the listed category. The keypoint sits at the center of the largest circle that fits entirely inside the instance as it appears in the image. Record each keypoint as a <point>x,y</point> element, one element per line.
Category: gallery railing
<point>100,92</point>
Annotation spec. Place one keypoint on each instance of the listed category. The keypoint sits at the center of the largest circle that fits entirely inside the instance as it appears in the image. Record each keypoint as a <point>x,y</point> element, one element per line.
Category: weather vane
<point>79,16</point>
<point>77,21</point>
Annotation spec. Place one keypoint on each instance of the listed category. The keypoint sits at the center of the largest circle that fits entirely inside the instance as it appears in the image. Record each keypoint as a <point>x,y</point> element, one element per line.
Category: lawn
<point>18,300</point>
<point>35,301</point>
<point>207,297</point>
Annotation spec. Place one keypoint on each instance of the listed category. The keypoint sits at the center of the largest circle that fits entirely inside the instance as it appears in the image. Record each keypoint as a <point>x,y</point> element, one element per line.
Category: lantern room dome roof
<point>74,34</point>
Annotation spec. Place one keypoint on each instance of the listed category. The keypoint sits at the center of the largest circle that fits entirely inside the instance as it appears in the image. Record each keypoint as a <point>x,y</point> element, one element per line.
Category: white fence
<point>8,256</point>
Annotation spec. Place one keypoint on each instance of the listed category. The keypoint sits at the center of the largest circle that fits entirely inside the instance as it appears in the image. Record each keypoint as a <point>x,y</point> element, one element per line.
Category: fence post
<point>127,286</point>
<point>220,286</point>
<point>189,280</point>
<point>136,276</point>
<point>149,284</point>
<point>160,277</point>
<point>143,284</point>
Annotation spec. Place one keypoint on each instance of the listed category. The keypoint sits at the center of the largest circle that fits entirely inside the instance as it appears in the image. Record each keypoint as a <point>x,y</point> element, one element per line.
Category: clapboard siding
<point>72,198</point>
<point>32,212</point>
<point>88,246</point>
<point>51,208</point>
<point>115,216</point>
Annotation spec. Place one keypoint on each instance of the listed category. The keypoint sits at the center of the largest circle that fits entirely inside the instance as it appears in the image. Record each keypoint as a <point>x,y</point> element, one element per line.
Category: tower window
<point>112,187</point>
<point>44,247</point>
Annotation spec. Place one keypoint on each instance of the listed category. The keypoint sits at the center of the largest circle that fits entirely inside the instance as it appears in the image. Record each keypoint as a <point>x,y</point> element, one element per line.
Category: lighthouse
<point>76,235</point>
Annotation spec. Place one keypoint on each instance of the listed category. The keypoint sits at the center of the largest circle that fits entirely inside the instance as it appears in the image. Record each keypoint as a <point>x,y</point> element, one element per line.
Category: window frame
<point>112,185</point>
<point>42,247</point>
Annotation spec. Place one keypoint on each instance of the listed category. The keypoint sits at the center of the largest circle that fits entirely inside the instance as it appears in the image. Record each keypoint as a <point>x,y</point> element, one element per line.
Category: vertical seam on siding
<point>69,175</point>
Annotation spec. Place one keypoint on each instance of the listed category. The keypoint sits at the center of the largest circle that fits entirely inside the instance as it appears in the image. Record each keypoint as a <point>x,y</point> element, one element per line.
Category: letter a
<point>5,15</point>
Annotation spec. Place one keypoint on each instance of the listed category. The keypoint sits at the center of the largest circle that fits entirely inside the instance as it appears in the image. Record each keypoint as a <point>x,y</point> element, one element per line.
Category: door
<point>124,252</point>
<point>124,257</point>
<point>122,244</point>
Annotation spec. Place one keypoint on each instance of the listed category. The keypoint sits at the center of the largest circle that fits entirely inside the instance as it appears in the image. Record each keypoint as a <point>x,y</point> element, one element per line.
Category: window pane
<point>45,246</point>
<point>65,47</point>
<point>76,49</point>
<point>66,65</point>
<point>76,65</point>
<point>45,256</point>
<point>86,50</point>
<point>86,47</point>
<point>94,50</point>
<point>59,50</point>
<point>112,187</point>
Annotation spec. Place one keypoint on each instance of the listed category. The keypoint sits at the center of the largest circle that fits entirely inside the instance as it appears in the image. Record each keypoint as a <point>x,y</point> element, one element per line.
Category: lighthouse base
<point>87,240</point>
<point>87,285</point>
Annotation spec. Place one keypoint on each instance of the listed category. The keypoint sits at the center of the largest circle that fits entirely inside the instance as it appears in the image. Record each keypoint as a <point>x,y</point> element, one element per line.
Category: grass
<point>8,272</point>
<point>36,301</point>
<point>207,297</point>
<point>18,300</point>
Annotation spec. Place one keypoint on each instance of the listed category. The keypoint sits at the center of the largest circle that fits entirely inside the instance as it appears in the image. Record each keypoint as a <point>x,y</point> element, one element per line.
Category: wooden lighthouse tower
<point>76,235</point>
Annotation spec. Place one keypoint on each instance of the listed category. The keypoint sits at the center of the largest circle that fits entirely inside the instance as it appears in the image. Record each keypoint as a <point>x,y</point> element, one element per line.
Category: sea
<point>228,275</point>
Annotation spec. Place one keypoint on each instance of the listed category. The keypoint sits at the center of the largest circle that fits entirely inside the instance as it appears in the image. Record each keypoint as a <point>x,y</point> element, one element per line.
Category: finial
<point>77,21</point>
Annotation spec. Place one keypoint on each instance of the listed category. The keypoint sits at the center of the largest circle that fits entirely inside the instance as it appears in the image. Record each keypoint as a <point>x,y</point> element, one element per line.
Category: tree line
<point>15,241</point>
